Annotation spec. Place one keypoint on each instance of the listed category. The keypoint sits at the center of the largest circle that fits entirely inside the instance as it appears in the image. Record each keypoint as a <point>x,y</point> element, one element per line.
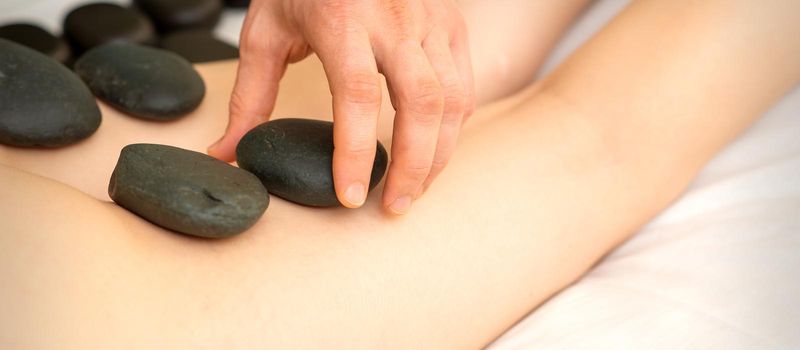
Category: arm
<point>682,76</point>
<point>539,190</point>
<point>510,40</point>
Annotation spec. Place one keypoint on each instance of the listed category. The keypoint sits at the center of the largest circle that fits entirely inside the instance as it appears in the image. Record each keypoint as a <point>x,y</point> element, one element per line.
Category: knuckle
<point>253,44</point>
<point>339,24</point>
<point>253,49</point>
<point>236,106</point>
<point>416,171</point>
<point>363,89</point>
<point>337,18</point>
<point>250,45</point>
<point>400,15</point>
<point>405,42</point>
<point>427,101</point>
<point>333,6</point>
<point>240,111</point>
<point>452,118</point>
<point>359,150</point>
<point>455,98</point>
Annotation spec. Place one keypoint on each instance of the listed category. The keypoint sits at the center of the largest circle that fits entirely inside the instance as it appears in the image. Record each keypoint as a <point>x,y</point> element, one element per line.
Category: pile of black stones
<point>145,22</point>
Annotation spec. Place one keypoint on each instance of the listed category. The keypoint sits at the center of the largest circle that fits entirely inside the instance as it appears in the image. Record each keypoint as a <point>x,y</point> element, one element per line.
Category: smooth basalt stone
<point>171,15</point>
<point>36,38</point>
<point>96,24</point>
<point>187,191</point>
<point>42,103</point>
<point>293,158</point>
<point>199,46</point>
<point>143,81</point>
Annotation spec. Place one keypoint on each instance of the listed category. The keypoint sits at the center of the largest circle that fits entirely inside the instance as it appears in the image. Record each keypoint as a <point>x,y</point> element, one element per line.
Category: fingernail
<point>356,194</point>
<point>400,205</point>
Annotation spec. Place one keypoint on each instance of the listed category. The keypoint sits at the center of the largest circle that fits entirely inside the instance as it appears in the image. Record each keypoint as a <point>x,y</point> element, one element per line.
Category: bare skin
<point>543,184</point>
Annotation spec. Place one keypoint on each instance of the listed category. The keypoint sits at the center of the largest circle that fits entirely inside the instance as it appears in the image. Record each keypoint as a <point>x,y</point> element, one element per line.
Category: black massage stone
<point>293,158</point>
<point>172,15</point>
<point>38,39</point>
<point>199,46</point>
<point>146,82</point>
<point>96,24</point>
<point>42,103</point>
<point>186,191</point>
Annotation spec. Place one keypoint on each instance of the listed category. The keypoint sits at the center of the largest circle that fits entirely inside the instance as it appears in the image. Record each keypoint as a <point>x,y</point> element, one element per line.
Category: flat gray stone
<point>142,81</point>
<point>186,191</point>
<point>293,158</point>
<point>42,103</point>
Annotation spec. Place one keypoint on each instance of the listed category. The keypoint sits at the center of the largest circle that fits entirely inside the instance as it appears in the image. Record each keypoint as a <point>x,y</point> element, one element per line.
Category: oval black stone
<point>96,24</point>
<point>42,103</point>
<point>293,158</point>
<point>199,46</point>
<point>143,81</point>
<point>38,39</point>
<point>171,15</point>
<point>187,191</point>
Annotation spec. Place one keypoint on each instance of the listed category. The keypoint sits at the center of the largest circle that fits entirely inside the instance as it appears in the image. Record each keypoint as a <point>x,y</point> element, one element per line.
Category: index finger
<point>262,63</point>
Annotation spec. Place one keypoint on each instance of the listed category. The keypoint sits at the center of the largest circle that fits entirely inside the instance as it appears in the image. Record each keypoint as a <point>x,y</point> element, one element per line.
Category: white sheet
<point>720,269</point>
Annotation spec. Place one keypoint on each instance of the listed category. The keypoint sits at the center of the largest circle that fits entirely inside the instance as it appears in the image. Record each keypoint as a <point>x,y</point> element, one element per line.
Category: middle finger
<point>420,103</point>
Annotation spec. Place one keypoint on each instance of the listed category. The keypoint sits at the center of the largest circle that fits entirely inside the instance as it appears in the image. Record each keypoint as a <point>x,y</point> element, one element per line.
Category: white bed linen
<point>720,269</point>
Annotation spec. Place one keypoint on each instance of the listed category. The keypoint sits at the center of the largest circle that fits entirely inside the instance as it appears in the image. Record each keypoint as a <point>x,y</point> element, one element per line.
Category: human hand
<point>420,46</point>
